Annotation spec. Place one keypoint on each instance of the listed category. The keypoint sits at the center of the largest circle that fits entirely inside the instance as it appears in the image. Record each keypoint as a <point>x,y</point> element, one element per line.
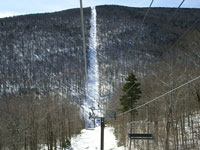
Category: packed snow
<point>93,73</point>
<point>90,139</point>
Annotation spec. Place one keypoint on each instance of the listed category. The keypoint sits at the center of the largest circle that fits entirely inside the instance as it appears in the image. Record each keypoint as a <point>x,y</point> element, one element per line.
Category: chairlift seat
<point>139,136</point>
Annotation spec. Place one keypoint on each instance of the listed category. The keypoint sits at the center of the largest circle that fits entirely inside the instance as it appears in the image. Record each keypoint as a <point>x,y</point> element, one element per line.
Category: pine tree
<point>131,94</point>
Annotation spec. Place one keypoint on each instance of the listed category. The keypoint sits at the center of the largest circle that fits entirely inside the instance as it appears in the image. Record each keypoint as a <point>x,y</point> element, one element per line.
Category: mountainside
<point>42,75</point>
<point>127,44</point>
<point>44,50</point>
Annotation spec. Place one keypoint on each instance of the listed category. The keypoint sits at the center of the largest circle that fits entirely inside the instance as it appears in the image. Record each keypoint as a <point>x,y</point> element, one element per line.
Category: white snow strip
<point>93,71</point>
<point>90,140</point>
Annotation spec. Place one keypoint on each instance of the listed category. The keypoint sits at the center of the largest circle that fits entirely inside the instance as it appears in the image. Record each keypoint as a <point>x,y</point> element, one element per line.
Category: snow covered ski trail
<point>90,139</point>
<point>93,72</point>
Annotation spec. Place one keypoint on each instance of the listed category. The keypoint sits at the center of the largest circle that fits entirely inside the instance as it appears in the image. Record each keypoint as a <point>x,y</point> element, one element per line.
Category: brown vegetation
<point>28,122</point>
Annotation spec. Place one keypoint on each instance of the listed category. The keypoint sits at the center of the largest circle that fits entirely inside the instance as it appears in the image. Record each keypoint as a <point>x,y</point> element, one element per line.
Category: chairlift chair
<point>141,136</point>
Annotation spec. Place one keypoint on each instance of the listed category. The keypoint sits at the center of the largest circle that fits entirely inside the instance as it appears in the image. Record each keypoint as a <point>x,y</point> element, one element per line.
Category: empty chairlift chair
<point>139,135</point>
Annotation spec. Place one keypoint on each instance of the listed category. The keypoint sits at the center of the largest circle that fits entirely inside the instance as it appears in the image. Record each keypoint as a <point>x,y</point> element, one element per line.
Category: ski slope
<point>92,85</point>
<point>90,140</point>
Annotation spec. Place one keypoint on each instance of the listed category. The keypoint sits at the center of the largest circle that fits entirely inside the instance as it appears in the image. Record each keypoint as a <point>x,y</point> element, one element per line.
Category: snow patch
<point>90,140</point>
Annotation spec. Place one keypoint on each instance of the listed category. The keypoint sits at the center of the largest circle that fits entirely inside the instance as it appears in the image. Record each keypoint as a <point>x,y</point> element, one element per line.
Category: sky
<point>21,7</point>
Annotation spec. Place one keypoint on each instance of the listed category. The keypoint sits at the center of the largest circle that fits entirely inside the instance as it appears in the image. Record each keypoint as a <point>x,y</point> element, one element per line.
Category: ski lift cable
<point>176,11</point>
<point>157,98</point>
<point>147,12</point>
<point>145,16</point>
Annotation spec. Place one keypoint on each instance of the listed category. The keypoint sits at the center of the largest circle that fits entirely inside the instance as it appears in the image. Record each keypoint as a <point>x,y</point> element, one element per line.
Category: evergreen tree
<point>131,94</point>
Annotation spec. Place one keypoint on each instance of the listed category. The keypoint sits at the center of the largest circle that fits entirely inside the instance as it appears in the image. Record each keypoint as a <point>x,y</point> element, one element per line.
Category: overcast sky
<point>17,7</point>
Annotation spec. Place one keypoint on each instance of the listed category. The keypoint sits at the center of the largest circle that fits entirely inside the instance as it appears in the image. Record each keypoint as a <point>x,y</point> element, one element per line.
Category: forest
<point>42,78</point>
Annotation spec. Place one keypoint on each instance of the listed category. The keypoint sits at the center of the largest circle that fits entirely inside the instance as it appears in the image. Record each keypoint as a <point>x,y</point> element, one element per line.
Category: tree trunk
<point>131,130</point>
<point>182,133</point>
<point>177,134</point>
